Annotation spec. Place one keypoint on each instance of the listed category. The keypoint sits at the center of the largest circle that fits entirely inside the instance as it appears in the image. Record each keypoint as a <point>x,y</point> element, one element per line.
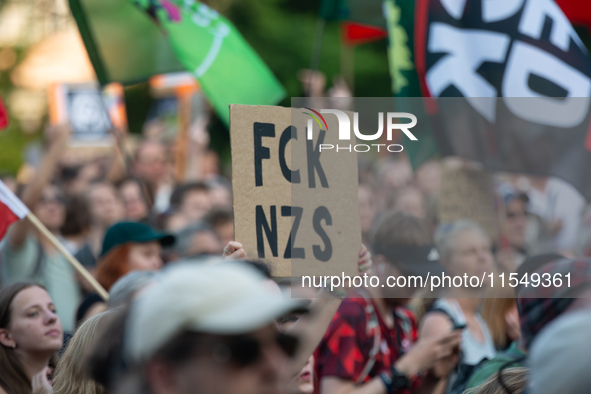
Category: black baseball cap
<point>124,232</point>
<point>413,260</point>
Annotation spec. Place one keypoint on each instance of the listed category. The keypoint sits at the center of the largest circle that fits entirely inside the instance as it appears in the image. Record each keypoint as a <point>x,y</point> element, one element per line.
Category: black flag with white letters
<point>510,83</point>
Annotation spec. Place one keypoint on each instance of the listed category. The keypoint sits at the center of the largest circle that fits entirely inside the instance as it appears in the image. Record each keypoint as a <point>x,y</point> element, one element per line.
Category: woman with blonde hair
<point>465,251</point>
<point>70,376</point>
<point>499,311</point>
<point>506,381</point>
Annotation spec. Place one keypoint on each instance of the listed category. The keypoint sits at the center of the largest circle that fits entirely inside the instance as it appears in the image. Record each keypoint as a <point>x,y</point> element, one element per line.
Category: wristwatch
<point>394,380</point>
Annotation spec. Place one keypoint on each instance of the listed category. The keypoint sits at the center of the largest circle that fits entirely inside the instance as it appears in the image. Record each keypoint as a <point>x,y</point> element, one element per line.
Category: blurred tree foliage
<point>282,32</point>
<point>12,139</point>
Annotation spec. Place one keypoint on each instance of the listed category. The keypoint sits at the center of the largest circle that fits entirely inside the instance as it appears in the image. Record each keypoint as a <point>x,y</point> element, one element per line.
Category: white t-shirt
<point>559,201</point>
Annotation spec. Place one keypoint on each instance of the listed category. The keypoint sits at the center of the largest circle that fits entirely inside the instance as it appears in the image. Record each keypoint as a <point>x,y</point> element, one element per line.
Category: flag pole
<point>71,259</point>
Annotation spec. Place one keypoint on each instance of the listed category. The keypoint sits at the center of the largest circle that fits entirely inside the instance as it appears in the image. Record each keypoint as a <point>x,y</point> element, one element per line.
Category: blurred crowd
<point>190,312</point>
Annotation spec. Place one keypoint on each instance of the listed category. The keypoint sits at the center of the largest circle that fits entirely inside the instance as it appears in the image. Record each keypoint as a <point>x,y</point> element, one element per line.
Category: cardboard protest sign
<point>294,204</point>
<point>87,111</point>
<point>468,193</point>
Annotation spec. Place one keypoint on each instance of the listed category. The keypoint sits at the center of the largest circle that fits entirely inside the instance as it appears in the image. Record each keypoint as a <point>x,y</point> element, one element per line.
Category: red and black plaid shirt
<point>345,348</point>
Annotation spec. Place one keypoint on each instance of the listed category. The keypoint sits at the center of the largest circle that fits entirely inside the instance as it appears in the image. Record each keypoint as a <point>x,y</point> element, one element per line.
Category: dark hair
<point>13,378</point>
<point>69,173</point>
<point>146,190</point>
<point>397,228</point>
<point>85,306</point>
<point>534,263</point>
<point>179,349</point>
<point>180,192</point>
<point>219,216</point>
<point>77,216</point>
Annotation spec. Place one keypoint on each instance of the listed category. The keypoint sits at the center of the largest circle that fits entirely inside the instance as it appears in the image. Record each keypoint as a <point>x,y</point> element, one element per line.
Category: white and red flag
<point>11,208</point>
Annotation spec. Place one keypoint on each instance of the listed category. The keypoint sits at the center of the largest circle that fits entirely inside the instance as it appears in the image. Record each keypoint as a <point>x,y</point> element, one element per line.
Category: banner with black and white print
<point>525,77</point>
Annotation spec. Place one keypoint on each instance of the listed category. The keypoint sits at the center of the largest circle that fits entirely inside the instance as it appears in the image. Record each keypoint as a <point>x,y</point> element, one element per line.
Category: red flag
<point>3,116</point>
<point>359,33</point>
<point>577,11</point>
<point>11,208</point>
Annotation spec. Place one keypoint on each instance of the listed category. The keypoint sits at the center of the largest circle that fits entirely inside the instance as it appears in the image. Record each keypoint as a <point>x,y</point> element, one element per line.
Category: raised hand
<point>426,353</point>
<point>234,251</point>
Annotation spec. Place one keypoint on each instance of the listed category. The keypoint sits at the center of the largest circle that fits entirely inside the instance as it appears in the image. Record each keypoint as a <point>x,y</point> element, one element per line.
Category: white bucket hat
<point>227,298</point>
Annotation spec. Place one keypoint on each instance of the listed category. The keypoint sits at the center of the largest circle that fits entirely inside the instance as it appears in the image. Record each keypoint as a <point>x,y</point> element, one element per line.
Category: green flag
<point>124,45</point>
<point>129,42</point>
<point>399,16</point>
<point>210,47</point>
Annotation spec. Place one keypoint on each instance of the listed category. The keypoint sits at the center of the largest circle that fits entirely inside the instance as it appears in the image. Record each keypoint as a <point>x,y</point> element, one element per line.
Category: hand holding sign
<point>365,263</point>
<point>292,202</point>
<point>234,251</point>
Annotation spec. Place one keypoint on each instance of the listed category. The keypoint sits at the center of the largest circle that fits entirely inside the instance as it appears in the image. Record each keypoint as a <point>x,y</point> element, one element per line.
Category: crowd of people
<point>190,312</point>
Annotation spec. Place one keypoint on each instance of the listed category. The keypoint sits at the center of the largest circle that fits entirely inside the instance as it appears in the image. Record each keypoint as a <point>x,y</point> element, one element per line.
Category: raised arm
<point>120,159</point>
<point>57,136</point>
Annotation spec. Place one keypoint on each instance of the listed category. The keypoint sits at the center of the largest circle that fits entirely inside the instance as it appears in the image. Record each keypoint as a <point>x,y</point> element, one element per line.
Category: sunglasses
<point>245,350</point>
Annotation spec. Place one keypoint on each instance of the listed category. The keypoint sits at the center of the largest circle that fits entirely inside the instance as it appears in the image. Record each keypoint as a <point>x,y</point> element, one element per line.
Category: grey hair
<point>446,233</point>
<point>185,236</point>
<point>125,287</point>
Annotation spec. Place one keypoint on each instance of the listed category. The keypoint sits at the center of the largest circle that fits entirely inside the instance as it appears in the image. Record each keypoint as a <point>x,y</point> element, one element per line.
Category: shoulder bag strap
<point>372,324</point>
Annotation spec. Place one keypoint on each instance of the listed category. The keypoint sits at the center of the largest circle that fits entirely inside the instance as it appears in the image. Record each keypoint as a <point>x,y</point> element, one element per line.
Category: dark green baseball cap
<point>124,232</point>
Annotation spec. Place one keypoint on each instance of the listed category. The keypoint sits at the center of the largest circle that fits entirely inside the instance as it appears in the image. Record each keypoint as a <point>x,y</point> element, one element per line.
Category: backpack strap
<point>445,312</point>
<point>458,378</point>
<point>38,261</point>
<point>372,325</point>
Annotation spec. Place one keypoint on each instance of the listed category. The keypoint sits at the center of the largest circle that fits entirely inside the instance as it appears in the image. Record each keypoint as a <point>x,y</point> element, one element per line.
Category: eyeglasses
<point>513,215</point>
<point>245,350</point>
<point>52,199</point>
